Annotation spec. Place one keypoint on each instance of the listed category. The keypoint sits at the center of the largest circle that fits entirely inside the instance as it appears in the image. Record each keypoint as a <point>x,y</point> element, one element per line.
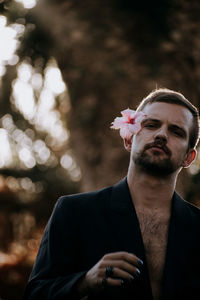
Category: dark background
<point>111,54</point>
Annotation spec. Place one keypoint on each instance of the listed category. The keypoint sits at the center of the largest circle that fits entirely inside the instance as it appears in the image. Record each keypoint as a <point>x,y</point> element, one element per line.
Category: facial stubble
<point>155,165</point>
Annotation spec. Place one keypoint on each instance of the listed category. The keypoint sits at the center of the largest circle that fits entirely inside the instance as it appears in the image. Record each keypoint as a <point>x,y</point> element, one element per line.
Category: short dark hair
<point>169,96</point>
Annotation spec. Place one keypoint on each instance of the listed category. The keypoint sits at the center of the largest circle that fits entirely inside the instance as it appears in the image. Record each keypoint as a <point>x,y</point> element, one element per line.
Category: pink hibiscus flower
<point>129,124</point>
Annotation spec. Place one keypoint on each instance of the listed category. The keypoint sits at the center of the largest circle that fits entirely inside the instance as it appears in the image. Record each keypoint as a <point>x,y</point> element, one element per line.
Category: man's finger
<point>120,274</point>
<point>120,264</point>
<point>128,257</point>
<point>105,282</point>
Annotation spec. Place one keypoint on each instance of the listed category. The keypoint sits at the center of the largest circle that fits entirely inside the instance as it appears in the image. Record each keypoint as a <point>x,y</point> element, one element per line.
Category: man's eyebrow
<point>151,120</point>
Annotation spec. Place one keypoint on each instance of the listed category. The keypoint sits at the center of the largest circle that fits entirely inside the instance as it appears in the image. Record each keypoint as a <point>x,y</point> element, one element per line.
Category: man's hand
<point>124,267</point>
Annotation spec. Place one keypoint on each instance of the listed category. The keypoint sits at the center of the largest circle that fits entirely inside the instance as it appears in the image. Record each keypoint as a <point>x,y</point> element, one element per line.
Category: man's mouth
<point>158,148</point>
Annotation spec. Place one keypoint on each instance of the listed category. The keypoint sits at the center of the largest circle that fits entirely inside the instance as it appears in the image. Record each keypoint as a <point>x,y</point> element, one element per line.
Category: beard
<point>155,165</point>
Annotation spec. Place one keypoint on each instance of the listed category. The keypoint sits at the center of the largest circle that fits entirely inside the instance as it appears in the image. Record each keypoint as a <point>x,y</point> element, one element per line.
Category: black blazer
<point>84,227</point>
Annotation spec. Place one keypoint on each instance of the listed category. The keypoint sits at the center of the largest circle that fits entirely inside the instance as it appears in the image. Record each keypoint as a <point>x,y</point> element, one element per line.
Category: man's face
<point>160,148</point>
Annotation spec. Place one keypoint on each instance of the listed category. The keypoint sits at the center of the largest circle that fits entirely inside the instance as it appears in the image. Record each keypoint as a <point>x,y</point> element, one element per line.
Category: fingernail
<point>140,262</point>
<point>138,271</point>
<point>132,278</point>
<point>122,282</point>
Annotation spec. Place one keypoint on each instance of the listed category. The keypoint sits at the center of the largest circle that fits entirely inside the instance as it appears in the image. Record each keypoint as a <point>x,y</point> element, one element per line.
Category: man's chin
<point>156,166</point>
<point>157,171</point>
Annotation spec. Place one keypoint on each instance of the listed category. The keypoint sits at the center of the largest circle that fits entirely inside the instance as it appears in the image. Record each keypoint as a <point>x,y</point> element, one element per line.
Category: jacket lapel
<point>124,219</point>
<point>126,230</point>
<point>178,247</point>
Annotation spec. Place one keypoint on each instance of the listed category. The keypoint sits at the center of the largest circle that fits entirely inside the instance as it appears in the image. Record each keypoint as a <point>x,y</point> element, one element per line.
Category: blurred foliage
<point>29,192</point>
<point>111,54</point>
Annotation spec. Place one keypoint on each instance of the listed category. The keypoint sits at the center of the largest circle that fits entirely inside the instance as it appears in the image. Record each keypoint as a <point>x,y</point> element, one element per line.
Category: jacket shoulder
<point>192,210</point>
<point>86,199</point>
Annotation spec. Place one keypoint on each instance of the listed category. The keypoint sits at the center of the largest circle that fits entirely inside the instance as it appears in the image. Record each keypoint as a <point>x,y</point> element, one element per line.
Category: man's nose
<point>161,134</point>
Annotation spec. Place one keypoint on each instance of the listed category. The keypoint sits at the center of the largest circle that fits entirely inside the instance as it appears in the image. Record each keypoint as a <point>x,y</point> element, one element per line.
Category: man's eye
<point>178,133</point>
<point>150,125</point>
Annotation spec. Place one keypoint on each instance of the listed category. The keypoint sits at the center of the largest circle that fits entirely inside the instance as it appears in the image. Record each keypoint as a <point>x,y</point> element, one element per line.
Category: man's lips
<point>158,147</point>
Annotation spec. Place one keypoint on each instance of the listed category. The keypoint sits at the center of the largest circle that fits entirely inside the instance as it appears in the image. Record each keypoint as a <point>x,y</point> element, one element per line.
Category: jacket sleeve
<point>56,271</point>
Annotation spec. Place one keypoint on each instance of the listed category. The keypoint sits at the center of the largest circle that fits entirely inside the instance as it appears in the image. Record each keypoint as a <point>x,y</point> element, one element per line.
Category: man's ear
<point>128,144</point>
<point>190,157</point>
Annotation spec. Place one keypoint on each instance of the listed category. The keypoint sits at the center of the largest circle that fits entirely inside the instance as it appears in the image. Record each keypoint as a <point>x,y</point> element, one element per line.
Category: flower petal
<point>118,122</point>
<point>128,113</point>
<point>134,128</point>
<point>139,116</point>
<point>125,132</point>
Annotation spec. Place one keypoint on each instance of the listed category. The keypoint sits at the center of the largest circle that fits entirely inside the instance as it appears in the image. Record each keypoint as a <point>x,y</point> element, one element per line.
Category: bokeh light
<point>9,43</point>
<point>34,95</point>
<point>27,3</point>
<point>5,152</point>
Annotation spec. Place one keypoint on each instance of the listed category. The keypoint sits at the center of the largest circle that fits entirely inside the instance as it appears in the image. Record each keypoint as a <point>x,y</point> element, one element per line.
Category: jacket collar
<point>121,201</point>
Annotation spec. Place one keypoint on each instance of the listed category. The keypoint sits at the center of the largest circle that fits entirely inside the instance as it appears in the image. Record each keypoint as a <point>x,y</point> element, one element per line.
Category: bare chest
<point>154,229</point>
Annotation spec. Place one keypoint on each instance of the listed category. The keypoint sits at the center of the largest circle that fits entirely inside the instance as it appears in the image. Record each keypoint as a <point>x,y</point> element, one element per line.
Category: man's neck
<point>150,192</point>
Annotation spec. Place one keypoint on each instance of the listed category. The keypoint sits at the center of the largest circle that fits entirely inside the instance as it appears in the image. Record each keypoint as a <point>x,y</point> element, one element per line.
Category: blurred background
<point>67,69</point>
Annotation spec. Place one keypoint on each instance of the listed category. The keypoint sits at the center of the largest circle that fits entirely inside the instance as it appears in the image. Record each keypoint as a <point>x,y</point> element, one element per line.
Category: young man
<point>137,239</point>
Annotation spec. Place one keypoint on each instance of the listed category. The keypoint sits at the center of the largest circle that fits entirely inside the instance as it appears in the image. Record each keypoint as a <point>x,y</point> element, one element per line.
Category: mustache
<point>160,144</point>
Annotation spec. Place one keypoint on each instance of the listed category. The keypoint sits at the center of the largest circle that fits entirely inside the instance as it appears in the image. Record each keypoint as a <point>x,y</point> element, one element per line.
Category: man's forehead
<point>173,113</point>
